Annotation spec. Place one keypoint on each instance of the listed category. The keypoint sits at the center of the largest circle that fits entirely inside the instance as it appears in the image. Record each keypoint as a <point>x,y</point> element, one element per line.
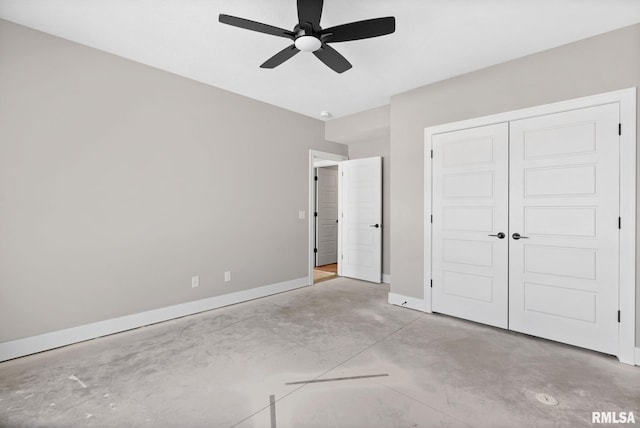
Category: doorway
<point>326,223</point>
<point>359,222</point>
<point>327,163</point>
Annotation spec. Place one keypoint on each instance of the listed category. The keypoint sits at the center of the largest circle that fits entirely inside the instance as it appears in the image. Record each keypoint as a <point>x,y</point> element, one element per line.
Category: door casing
<point>626,98</point>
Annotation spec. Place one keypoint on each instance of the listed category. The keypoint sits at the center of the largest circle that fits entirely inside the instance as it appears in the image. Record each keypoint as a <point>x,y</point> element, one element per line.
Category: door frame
<point>626,98</point>
<point>329,159</point>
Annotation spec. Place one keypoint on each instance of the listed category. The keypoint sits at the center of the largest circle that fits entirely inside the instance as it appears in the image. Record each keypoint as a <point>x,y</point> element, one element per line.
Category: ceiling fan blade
<point>280,57</point>
<point>255,26</point>
<point>310,11</point>
<point>359,30</point>
<point>332,58</point>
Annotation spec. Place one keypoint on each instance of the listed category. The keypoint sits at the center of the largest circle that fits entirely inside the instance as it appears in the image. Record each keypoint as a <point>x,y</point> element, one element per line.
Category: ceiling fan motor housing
<point>308,43</point>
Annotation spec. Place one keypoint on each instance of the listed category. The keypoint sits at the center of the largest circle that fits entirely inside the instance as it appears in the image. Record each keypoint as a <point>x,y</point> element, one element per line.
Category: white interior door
<point>470,223</point>
<point>361,221</point>
<point>327,216</point>
<point>564,199</point>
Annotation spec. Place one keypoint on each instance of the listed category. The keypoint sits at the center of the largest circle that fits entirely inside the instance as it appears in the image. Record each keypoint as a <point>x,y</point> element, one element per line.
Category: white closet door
<point>470,203</point>
<point>361,227</point>
<point>564,199</point>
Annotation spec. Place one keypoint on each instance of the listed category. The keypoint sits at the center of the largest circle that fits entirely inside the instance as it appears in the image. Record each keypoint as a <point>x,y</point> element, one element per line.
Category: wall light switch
<point>227,276</point>
<point>195,281</point>
<point>301,215</point>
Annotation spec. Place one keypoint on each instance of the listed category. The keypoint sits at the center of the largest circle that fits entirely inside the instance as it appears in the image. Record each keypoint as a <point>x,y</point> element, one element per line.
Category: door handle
<point>374,225</point>
<point>517,236</point>
<point>499,235</point>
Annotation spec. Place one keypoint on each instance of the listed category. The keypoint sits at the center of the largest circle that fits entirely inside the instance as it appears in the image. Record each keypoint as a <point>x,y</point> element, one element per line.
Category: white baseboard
<point>637,356</point>
<point>407,302</point>
<point>386,278</point>
<point>55,339</point>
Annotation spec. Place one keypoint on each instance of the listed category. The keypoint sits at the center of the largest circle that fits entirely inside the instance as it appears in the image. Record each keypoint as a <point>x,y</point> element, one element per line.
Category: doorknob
<point>375,225</point>
<point>500,235</point>
<point>517,236</point>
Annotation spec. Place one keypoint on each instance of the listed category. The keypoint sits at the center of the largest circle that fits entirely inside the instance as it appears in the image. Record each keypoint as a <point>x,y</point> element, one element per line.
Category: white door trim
<point>627,246</point>
<point>314,157</point>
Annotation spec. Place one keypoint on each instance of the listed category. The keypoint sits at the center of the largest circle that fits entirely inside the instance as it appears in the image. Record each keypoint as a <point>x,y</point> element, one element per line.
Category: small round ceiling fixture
<point>308,43</point>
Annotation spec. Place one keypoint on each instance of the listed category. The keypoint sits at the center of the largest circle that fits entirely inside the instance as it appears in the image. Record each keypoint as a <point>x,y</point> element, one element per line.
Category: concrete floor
<point>220,368</point>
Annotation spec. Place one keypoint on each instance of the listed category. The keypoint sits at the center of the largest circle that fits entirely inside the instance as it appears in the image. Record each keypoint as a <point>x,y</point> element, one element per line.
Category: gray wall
<point>367,125</point>
<point>604,63</point>
<point>118,182</point>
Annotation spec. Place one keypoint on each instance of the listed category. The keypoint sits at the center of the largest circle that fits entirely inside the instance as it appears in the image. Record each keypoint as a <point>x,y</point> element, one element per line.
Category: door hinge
<point>431,154</point>
<point>618,316</point>
<point>619,222</point>
<point>315,178</point>
<point>431,283</point>
<point>315,214</point>
<point>431,218</point>
<point>315,250</point>
<point>341,256</point>
<point>619,129</point>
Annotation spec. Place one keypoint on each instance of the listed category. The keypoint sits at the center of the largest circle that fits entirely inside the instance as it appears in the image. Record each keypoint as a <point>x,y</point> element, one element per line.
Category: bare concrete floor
<point>221,368</point>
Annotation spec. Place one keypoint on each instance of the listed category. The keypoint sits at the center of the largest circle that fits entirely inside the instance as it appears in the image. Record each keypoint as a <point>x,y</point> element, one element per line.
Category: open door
<point>360,231</point>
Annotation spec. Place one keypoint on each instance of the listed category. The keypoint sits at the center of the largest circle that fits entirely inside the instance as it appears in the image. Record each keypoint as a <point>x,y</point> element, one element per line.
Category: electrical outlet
<point>227,276</point>
<point>301,215</point>
<point>195,281</point>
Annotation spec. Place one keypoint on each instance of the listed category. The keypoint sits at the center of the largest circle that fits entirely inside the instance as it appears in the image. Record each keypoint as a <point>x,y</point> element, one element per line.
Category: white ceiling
<point>434,40</point>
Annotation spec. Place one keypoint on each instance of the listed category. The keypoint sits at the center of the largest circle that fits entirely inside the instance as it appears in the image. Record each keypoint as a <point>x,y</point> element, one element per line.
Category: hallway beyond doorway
<point>324,273</point>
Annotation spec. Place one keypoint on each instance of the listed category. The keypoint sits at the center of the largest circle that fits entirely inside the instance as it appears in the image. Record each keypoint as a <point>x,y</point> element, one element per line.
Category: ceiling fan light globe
<point>308,43</point>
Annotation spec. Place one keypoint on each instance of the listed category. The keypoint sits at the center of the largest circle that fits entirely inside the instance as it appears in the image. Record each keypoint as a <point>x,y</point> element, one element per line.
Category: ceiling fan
<point>309,36</point>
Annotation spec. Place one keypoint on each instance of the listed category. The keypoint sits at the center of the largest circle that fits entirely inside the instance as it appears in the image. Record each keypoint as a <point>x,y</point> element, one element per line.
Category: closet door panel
<point>564,199</point>
<point>470,191</point>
